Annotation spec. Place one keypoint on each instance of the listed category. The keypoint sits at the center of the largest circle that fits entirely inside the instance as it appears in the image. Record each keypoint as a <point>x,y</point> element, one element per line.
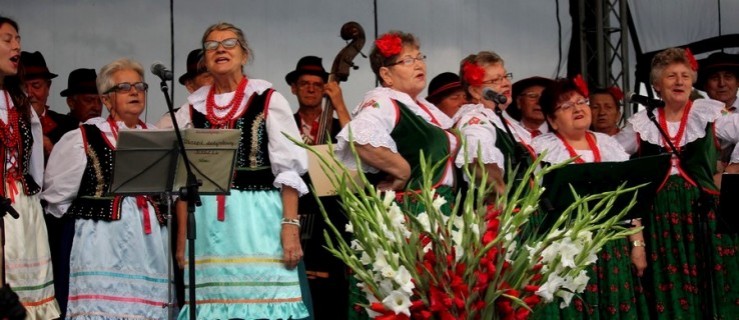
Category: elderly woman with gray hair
<point>118,263</point>
<point>248,243</point>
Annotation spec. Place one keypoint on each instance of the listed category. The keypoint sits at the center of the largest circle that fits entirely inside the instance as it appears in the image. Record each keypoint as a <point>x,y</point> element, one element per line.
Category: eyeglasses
<point>306,84</point>
<point>531,95</point>
<point>407,61</point>
<point>126,87</point>
<point>508,76</point>
<point>227,44</point>
<point>567,106</point>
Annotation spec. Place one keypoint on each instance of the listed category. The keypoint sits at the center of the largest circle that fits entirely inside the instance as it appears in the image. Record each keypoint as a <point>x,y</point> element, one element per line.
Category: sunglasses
<point>126,87</point>
<point>227,44</point>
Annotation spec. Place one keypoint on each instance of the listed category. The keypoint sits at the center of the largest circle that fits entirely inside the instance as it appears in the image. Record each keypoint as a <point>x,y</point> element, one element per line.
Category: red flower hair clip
<point>691,59</point>
<point>473,74</point>
<point>581,85</point>
<point>616,93</point>
<point>389,45</point>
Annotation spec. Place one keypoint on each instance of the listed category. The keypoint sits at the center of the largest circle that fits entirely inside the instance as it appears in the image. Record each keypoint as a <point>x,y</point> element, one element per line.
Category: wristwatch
<point>638,243</point>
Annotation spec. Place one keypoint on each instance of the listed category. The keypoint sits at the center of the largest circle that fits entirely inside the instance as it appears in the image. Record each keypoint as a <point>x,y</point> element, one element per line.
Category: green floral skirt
<point>684,279</point>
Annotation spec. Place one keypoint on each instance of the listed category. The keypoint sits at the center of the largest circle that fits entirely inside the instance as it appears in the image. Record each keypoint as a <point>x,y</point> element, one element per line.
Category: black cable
<point>718,8</point>
<point>171,45</point>
<point>559,38</point>
<point>377,81</point>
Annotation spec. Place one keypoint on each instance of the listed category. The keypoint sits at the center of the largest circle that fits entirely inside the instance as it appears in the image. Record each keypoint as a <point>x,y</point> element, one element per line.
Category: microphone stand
<point>191,194</point>
<point>700,212</point>
<point>6,207</point>
<point>519,154</point>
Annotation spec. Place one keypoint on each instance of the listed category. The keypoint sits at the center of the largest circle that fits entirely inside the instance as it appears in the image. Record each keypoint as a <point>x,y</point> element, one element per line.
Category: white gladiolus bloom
<point>568,251</point>
<point>365,258</point>
<point>349,228</point>
<point>438,202</point>
<point>404,280</point>
<point>547,289</point>
<point>399,302</point>
<point>356,245</point>
<point>423,219</point>
<point>388,197</point>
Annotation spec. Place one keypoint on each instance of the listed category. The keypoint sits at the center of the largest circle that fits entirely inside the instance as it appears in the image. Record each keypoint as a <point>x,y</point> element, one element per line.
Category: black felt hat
<point>80,81</point>
<point>193,58</point>
<point>307,65</point>
<point>716,62</point>
<point>442,85</point>
<point>34,65</point>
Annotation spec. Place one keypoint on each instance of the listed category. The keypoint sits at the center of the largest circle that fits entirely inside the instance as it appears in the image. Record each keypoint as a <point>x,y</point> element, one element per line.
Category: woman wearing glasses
<point>694,270</point>
<point>498,143</point>
<point>394,124</point>
<point>247,244</point>
<point>118,262</point>
<point>610,293</point>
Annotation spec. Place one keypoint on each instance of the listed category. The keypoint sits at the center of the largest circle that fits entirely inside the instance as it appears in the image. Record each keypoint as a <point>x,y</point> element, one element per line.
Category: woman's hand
<point>639,259</point>
<point>392,183</point>
<point>638,253</point>
<point>291,250</point>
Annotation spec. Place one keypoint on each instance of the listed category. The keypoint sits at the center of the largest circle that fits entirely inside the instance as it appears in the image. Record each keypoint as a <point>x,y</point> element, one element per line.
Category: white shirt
<point>609,148</point>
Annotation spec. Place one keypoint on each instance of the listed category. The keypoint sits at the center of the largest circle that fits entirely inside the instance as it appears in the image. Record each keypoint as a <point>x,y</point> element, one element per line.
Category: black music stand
<point>594,178</point>
<point>727,220</point>
<point>149,162</point>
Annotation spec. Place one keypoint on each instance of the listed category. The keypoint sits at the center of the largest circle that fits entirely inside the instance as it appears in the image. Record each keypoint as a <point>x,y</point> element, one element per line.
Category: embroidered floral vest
<point>253,169</point>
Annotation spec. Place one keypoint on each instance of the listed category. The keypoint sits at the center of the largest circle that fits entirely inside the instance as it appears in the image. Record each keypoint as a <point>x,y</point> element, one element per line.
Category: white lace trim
<point>291,179</point>
<point>610,149</point>
<point>381,93</point>
<point>363,132</point>
<point>704,111</point>
<point>465,110</point>
<point>489,153</point>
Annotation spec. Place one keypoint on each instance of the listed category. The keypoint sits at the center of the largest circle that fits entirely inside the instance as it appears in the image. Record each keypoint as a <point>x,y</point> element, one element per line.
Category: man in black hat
<point>82,95</point>
<point>525,105</point>
<point>196,77</point>
<point>309,83</point>
<point>326,274</point>
<point>717,76</point>
<point>38,82</point>
<point>446,93</point>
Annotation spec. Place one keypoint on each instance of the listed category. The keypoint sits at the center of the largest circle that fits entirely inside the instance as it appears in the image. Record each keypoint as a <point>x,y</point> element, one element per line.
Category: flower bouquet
<point>482,260</point>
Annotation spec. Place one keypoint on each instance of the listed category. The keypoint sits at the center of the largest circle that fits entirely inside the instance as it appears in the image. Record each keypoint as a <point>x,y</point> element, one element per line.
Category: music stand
<point>594,178</point>
<point>727,221</point>
<point>148,162</point>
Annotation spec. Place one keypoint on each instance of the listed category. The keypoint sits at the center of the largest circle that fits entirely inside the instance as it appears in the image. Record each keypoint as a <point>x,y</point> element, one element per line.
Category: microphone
<point>159,70</point>
<point>489,94</point>
<point>645,101</point>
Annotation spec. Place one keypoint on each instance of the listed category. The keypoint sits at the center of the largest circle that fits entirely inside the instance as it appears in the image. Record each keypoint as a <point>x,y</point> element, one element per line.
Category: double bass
<point>343,63</point>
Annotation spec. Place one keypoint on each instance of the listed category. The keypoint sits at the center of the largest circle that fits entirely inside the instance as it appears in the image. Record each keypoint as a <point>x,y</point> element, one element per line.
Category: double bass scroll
<point>343,63</point>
